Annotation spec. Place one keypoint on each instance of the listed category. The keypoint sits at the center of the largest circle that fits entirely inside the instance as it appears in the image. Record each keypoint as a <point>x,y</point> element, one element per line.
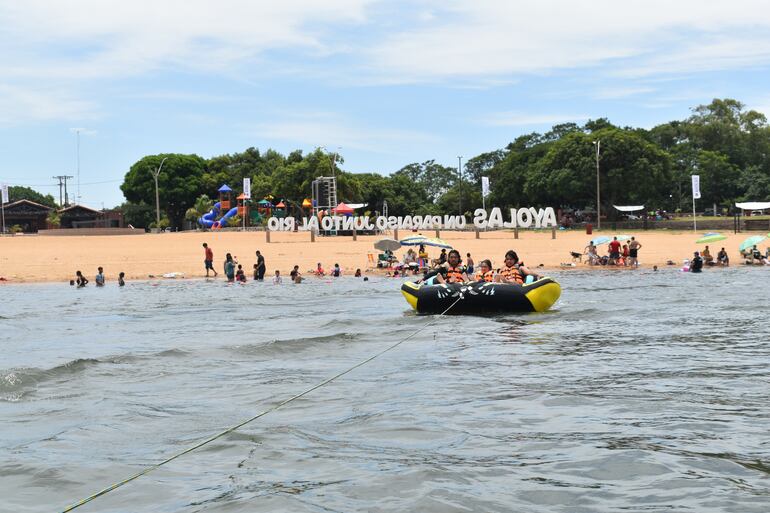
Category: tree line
<point>723,142</point>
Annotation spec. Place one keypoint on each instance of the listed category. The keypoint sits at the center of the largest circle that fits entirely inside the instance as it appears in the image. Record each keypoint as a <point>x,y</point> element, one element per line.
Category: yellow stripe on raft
<point>544,296</point>
<point>411,298</point>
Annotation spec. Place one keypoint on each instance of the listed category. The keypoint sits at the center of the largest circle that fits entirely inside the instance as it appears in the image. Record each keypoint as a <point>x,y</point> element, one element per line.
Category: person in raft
<point>514,271</point>
<point>453,272</point>
<point>485,274</point>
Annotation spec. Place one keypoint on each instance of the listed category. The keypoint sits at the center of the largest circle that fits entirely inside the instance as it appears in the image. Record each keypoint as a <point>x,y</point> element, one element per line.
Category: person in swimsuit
<point>633,252</point>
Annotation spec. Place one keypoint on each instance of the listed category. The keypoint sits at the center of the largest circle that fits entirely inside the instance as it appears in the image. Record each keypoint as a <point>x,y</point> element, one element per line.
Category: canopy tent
<point>264,203</point>
<point>753,205</point>
<point>280,204</point>
<point>343,209</point>
<point>356,206</point>
<point>632,208</point>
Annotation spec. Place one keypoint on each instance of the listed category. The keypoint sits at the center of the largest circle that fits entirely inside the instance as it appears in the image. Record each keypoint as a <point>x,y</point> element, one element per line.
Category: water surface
<point>640,391</point>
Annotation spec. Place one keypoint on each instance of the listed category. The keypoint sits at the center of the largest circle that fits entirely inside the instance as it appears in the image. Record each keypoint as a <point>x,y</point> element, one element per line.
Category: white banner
<point>4,188</point>
<point>247,188</point>
<point>695,187</point>
<point>484,186</point>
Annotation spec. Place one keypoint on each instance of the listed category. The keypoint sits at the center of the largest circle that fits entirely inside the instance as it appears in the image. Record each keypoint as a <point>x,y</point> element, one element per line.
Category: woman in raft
<point>513,271</point>
<point>453,271</point>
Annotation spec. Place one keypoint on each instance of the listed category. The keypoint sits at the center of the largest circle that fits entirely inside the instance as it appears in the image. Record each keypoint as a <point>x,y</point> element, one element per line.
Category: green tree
<point>179,183</point>
<point>17,192</point>
<point>202,206</point>
<point>138,215</point>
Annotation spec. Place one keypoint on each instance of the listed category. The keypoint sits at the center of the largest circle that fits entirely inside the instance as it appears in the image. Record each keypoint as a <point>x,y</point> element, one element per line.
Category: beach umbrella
<point>751,241</point>
<point>387,245</point>
<point>711,237</point>
<point>601,240</point>
<point>425,241</point>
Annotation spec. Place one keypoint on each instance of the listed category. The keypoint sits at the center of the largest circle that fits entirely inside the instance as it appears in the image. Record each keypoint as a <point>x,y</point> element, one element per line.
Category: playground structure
<point>225,204</point>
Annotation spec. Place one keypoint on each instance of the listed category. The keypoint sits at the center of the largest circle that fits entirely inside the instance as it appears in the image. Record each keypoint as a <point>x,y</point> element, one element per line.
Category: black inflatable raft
<point>481,297</point>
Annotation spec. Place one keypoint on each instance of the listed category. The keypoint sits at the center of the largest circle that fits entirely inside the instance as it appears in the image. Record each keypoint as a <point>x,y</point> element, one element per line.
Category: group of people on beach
<point>81,281</point>
<point>626,255</point>
<point>235,273</point>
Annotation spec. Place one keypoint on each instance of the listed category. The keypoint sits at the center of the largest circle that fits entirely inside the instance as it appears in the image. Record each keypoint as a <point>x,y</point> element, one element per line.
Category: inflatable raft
<point>481,297</point>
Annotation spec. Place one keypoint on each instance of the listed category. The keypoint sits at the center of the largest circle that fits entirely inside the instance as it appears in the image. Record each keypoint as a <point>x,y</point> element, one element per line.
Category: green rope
<point>255,417</point>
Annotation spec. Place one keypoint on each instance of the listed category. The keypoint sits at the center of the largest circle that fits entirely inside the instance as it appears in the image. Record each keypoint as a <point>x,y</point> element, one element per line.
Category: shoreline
<point>55,259</point>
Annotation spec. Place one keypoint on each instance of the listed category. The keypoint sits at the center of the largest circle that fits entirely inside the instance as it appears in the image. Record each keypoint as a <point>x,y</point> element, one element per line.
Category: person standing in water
<point>230,264</point>
<point>261,268</point>
<point>633,252</point>
<point>121,279</point>
<point>208,260</point>
<point>99,277</point>
<point>277,280</point>
<point>81,280</point>
<point>696,265</point>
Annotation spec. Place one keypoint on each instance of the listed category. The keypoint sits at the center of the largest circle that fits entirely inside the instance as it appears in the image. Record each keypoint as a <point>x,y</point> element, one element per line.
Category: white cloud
<point>486,37</point>
<point>522,119</point>
<point>19,105</point>
<point>327,129</point>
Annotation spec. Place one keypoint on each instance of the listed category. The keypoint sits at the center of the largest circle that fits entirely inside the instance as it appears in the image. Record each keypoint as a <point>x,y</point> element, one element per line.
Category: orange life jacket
<point>512,274</point>
<point>455,274</point>
<point>487,276</point>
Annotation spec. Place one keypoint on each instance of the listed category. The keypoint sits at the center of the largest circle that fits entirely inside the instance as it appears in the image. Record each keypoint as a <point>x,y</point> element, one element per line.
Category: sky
<point>384,83</point>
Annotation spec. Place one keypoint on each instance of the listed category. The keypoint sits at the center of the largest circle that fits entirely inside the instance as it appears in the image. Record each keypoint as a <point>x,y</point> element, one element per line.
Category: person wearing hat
<point>696,265</point>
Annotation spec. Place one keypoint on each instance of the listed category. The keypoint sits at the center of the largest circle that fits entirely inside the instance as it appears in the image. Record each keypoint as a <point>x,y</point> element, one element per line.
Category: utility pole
<point>63,183</point>
<point>157,196</point>
<point>460,188</point>
<point>598,145</point>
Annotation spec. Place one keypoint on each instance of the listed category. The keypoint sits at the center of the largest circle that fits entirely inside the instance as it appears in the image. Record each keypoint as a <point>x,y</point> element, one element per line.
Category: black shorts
<point>209,264</point>
<point>615,255</point>
<point>632,253</point>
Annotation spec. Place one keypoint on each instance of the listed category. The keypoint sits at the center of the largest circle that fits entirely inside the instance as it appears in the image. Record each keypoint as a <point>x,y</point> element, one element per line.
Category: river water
<point>640,391</point>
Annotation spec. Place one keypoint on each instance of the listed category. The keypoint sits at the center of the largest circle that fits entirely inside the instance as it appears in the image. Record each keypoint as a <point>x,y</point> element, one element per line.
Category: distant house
<point>29,215</point>
<point>79,216</point>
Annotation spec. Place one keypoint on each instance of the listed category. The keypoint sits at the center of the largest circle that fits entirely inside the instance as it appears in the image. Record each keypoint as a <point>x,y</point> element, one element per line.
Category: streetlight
<point>598,144</point>
<point>157,197</point>
<point>460,188</point>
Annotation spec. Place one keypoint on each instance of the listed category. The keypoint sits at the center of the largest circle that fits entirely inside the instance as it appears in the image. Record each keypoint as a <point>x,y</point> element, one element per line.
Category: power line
<point>63,181</point>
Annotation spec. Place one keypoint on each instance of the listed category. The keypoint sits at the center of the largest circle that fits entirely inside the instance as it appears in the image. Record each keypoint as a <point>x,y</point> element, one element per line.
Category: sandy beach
<point>46,259</point>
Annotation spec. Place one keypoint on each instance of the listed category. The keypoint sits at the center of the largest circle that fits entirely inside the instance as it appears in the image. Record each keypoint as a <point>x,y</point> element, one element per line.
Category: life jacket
<point>454,274</point>
<point>512,274</point>
<point>486,277</point>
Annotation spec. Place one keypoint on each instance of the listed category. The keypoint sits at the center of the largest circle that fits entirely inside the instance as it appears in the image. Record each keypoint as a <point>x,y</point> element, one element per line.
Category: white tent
<point>753,205</point>
<point>632,208</point>
<point>355,206</point>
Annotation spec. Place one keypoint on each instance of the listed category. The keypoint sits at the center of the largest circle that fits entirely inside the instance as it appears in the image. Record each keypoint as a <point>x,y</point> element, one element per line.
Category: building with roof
<point>29,215</point>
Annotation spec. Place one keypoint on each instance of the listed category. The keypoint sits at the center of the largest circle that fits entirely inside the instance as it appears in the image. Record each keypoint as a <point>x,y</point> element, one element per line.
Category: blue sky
<point>388,82</point>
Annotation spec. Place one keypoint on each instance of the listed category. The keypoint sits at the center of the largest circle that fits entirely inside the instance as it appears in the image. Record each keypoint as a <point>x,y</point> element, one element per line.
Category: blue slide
<point>210,220</point>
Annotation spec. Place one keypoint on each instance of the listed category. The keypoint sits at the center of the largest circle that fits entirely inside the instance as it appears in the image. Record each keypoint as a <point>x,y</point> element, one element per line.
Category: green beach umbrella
<point>711,237</point>
<point>751,241</point>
